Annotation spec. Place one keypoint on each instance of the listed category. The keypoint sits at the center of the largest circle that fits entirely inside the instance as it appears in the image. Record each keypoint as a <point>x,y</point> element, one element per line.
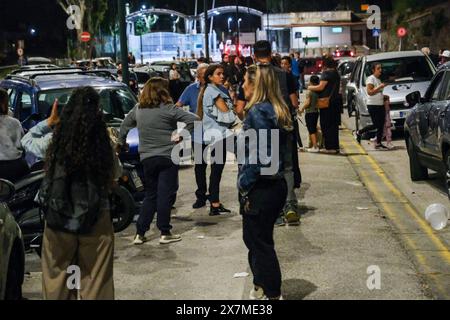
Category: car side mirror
<point>413,98</point>
<point>6,190</point>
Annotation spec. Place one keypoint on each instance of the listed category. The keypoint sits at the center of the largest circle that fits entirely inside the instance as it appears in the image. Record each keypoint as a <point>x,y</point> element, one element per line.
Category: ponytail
<point>200,101</point>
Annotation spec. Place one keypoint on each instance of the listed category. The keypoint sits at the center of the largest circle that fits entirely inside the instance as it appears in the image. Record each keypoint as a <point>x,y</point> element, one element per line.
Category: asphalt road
<point>361,213</point>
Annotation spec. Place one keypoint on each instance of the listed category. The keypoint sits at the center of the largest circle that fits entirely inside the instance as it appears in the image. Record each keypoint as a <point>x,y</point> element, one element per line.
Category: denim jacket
<point>259,162</point>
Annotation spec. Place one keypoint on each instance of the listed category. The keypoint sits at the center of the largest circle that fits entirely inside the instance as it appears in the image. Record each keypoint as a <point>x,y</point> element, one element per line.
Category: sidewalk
<point>341,235</point>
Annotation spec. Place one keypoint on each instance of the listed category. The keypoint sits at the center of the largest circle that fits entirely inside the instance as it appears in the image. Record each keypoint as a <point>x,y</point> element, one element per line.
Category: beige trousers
<point>93,253</point>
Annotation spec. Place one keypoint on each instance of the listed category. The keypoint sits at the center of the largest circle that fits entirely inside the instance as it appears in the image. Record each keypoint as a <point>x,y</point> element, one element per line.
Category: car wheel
<point>416,170</point>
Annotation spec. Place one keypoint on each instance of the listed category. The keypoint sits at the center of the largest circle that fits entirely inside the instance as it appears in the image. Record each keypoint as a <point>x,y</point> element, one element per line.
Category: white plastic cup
<point>437,216</point>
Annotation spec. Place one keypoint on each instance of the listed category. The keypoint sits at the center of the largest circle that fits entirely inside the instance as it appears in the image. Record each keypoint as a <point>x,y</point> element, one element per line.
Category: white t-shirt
<point>377,99</point>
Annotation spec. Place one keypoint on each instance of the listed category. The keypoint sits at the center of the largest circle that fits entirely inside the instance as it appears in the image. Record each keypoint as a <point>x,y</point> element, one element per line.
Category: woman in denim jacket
<point>261,183</point>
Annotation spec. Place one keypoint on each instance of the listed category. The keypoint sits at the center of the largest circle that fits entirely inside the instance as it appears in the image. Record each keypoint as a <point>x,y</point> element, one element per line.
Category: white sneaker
<point>139,240</point>
<point>313,150</point>
<point>390,146</point>
<point>169,238</point>
<point>257,294</point>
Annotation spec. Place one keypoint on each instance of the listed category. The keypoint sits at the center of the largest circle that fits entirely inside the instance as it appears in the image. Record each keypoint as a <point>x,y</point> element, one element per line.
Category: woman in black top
<point>329,117</point>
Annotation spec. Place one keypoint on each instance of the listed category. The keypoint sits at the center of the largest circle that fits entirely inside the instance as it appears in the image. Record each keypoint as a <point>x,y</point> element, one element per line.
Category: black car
<point>427,129</point>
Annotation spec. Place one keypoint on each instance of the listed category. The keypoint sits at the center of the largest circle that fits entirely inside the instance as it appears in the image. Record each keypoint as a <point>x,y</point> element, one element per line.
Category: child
<point>312,115</point>
<point>387,133</point>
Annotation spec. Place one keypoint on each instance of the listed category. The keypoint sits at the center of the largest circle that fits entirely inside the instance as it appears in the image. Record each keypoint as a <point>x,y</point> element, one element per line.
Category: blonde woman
<point>262,195</point>
<point>156,118</point>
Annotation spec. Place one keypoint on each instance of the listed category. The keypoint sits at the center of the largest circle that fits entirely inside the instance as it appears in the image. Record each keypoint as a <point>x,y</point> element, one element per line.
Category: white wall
<point>326,38</point>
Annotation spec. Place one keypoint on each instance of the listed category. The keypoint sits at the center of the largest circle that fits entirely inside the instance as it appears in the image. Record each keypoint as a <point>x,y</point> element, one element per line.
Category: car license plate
<point>136,180</point>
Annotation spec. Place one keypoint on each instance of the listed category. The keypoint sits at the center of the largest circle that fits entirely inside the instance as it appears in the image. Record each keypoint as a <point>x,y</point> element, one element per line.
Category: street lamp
<point>144,7</point>
<point>229,21</point>
<point>239,23</point>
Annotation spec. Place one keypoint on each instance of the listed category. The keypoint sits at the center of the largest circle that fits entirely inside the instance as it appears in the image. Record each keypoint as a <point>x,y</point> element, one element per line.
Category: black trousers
<point>161,183</point>
<point>329,123</point>
<point>215,177</point>
<point>378,116</point>
<point>266,200</point>
<point>13,170</point>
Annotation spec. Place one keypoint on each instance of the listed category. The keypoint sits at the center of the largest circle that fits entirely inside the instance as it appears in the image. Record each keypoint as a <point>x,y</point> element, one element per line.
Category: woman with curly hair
<point>80,169</point>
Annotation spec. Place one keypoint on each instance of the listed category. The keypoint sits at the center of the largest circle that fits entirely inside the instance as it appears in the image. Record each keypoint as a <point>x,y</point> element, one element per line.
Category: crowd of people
<point>247,94</point>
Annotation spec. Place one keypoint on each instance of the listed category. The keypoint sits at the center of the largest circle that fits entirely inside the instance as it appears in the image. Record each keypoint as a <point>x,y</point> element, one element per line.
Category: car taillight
<point>338,54</point>
<point>352,53</point>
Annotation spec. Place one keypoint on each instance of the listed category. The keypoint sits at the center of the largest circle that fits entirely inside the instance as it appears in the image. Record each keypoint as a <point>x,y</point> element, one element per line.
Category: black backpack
<point>69,203</point>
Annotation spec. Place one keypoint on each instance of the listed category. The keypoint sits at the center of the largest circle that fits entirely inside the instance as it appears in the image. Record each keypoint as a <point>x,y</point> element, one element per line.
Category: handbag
<point>324,103</point>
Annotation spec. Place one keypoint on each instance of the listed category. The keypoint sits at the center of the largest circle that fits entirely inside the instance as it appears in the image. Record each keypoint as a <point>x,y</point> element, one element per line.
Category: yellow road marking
<point>393,215</point>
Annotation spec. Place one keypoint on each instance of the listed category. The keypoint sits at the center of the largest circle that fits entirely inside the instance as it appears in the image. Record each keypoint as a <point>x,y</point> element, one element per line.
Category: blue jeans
<point>161,184</point>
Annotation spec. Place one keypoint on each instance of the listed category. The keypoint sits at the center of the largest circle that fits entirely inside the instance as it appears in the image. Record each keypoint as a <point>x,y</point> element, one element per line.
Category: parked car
<point>427,129</point>
<point>38,60</point>
<point>341,53</point>
<point>345,69</point>
<point>33,93</point>
<point>12,253</point>
<point>403,72</point>
<point>143,74</point>
<point>36,66</point>
<point>311,66</point>
<point>193,64</point>
<point>162,69</point>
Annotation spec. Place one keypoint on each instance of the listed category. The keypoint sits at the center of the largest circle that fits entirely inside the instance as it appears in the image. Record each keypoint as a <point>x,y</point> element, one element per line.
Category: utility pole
<point>237,27</point>
<point>123,42</point>
<point>205,8</point>
<point>267,24</point>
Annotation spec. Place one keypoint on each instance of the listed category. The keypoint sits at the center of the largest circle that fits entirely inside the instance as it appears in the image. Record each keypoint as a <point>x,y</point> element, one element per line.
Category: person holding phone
<point>375,105</point>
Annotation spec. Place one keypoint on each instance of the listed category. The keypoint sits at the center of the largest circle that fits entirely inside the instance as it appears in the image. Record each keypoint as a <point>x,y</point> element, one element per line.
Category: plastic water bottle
<point>437,215</point>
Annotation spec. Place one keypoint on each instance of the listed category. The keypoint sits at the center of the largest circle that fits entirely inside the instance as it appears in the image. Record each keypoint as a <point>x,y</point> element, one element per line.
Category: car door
<point>24,106</point>
<point>432,109</point>
<point>437,112</point>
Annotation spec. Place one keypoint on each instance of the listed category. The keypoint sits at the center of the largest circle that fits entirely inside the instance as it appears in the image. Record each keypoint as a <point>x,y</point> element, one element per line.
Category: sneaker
<point>381,147</point>
<point>199,204</point>
<point>217,211</point>
<point>169,238</point>
<point>390,146</point>
<point>280,221</point>
<point>312,150</point>
<point>138,239</point>
<point>292,218</point>
<point>357,136</point>
<point>257,293</point>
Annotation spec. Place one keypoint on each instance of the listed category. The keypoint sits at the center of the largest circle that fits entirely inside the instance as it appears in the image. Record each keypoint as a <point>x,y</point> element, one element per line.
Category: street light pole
<point>237,26</point>
<point>205,8</point>
<point>123,42</point>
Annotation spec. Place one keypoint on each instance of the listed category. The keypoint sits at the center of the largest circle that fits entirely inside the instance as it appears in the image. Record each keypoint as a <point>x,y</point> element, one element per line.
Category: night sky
<point>18,17</point>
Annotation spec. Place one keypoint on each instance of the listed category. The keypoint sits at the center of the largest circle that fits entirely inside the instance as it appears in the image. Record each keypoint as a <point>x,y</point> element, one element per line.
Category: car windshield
<point>407,69</point>
<point>116,102</point>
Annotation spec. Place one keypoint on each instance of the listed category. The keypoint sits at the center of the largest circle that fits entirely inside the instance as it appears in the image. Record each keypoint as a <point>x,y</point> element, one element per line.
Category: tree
<point>92,13</point>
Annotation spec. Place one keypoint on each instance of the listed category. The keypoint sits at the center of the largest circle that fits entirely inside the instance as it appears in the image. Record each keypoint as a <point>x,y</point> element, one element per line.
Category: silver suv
<point>403,72</point>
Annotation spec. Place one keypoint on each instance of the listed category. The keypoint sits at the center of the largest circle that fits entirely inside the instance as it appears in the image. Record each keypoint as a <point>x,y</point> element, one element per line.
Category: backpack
<point>70,204</point>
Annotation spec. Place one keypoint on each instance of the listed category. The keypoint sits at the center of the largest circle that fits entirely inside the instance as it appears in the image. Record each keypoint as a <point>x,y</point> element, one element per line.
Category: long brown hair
<point>267,88</point>
<point>209,72</point>
<point>155,92</point>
